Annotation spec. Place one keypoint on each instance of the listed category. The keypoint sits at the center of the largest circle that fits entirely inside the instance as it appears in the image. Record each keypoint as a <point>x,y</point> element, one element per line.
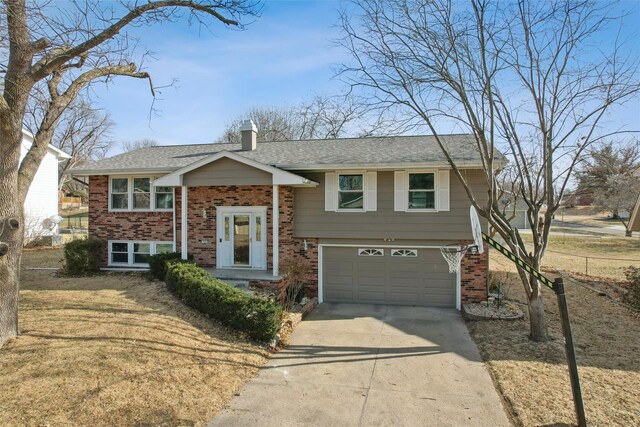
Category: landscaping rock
<point>491,311</point>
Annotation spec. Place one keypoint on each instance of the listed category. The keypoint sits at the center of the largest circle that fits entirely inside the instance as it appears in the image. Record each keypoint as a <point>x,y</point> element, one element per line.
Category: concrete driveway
<point>372,365</point>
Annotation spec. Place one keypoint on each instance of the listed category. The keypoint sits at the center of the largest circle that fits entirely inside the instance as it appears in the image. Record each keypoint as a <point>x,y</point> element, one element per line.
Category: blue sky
<point>282,58</point>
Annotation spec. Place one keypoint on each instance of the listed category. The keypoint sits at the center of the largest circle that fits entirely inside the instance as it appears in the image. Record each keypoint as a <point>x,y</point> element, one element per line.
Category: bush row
<point>83,256</point>
<point>259,318</point>
<point>158,263</point>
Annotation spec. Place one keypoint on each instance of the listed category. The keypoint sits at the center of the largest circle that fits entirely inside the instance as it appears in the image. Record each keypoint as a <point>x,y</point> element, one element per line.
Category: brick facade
<point>473,280</point>
<point>201,234</point>
<point>105,225</point>
<point>158,226</point>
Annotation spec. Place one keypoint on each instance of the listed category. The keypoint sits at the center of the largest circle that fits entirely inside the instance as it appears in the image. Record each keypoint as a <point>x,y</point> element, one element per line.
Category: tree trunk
<point>10,208</point>
<point>537,319</point>
<point>628,233</point>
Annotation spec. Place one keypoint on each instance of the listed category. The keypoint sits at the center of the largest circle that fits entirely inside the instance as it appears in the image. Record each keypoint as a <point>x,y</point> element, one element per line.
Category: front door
<point>241,238</point>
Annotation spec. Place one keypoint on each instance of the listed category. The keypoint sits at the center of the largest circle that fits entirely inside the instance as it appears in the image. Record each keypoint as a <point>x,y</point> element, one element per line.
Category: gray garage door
<point>387,276</point>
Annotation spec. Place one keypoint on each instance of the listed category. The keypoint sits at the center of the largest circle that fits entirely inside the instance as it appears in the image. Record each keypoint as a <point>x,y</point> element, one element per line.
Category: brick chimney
<point>249,133</point>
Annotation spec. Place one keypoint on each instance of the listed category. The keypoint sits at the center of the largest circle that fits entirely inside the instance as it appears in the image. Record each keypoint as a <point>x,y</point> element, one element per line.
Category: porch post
<point>183,224</point>
<point>276,222</point>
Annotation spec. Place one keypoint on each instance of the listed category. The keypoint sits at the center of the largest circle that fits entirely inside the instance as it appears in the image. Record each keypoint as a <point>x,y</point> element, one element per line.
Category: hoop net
<point>453,255</point>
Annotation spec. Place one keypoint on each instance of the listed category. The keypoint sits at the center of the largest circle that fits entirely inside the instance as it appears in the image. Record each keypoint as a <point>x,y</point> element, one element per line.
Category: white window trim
<point>363,174</point>
<point>152,193</point>
<point>404,253</point>
<point>371,252</point>
<point>130,254</point>
<point>435,190</point>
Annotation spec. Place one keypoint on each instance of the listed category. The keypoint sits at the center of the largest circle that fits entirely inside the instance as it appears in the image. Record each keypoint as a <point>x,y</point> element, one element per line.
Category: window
<point>411,253</point>
<point>135,253</point>
<point>138,193</point>
<point>119,253</point>
<point>120,193</point>
<point>422,191</point>
<point>258,228</point>
<point>141,193</point>
<point>370,252</point>
<point>163,248</point>
<point>351,191</point>
<point>141,252</point>
<point>164,197</point>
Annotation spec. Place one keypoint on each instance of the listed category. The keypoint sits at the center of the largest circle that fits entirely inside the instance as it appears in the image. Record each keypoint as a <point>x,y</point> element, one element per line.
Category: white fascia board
<point>280,177</point>
<point>58,152</point>
<point>127,172</point>
<point>28,136</point>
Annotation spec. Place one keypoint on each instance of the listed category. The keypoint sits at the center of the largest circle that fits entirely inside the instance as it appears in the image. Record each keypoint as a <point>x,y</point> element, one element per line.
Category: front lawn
<point>608,256</point>
<point>115,350</point>
<point>533,377</point>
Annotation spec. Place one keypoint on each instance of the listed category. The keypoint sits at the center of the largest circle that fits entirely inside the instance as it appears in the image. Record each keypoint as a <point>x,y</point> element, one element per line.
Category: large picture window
<point>138,193</point>
<point>351,191</point>
<point>422,191</point>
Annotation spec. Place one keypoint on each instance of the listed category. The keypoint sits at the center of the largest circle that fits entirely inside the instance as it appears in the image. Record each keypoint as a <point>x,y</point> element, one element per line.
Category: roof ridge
<point>314,139</point>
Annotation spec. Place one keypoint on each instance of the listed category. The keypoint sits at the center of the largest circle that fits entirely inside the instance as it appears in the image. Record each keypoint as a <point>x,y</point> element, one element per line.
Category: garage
<point>384,275</point>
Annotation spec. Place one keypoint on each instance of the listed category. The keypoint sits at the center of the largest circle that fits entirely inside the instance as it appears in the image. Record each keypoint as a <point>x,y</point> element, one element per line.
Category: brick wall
<point>473,280</point>
<point>105,225</point>
<point>208,198</point>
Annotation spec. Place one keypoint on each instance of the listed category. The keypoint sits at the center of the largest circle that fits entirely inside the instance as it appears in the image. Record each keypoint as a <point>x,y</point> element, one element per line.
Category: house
<point>517,214</point>
<point>369,214</point>
<point>41,203</point>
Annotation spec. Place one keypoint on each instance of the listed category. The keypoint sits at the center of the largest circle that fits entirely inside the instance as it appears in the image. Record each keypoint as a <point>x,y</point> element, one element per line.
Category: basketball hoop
<point>453,254</point>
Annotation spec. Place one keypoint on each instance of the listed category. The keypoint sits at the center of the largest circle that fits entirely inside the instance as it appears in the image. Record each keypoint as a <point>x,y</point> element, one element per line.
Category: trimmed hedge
<point>259,318</point>
<point>83,256</point>
<point>158,263</point>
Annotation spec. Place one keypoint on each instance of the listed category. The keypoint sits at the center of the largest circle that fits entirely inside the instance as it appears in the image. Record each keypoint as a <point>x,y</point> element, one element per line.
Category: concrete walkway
<point>366,365</point>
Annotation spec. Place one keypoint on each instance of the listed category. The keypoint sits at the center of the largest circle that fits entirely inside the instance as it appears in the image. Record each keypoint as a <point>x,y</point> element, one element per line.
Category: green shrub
<point>259,318</point>
<point>83,256</point>
<point>158,263</point>
<point>633,286</point>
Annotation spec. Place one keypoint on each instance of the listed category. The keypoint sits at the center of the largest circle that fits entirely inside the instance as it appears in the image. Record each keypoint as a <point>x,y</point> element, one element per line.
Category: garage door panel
<point>422,280</point>
<point>370,296</point>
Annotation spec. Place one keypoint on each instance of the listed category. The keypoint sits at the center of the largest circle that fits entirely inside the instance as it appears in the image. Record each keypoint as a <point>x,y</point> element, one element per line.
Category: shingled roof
<point>318,154</point>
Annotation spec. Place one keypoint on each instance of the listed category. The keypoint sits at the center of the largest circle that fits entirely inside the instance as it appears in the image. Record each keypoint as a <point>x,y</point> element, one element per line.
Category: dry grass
<point>115,350</point>
<point>533,377</point>
<point>569,252</point>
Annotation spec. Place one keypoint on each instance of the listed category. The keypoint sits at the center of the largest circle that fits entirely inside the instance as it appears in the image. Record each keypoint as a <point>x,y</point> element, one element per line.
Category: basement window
<point>135,253</point>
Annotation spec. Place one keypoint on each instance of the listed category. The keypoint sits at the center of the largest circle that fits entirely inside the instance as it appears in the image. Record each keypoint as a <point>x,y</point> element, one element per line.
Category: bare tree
<point>83,133</point>
<point>320,118</point>
<point>139,143</point>
<point>59,52</point>
<point>533,78</point>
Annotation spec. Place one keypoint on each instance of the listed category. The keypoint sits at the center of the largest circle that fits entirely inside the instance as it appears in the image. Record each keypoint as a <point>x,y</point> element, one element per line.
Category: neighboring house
<point>518,214</point>
<point>634,220</point>
<point>369,214</point>
<point>41,204</point>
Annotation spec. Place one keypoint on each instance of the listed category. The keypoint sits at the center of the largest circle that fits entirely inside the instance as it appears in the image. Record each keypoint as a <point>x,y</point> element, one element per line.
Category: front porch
<point>243,274</point>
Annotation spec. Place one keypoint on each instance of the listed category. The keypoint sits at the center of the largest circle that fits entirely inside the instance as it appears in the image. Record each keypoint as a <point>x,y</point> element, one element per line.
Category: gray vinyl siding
<point>311,220</point>
<point>226,172</point>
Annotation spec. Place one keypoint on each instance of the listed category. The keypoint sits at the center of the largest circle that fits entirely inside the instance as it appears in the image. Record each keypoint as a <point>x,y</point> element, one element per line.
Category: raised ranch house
<point>369,214</point>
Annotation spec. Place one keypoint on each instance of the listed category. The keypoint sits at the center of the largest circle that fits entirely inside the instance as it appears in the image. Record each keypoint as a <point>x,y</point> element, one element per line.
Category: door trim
<point>321,246</point>
<point>221,211</point>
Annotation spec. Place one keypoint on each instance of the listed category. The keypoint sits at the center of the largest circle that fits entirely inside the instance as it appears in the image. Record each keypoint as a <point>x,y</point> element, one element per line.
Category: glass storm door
<point>242,240</point>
